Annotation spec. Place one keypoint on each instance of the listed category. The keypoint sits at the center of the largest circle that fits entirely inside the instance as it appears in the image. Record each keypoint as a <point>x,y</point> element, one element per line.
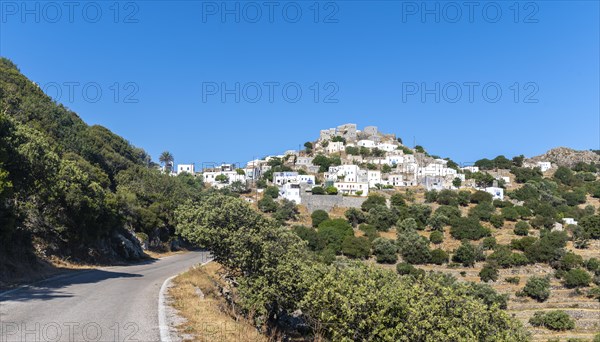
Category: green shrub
<point>371,232</point>
<point>467,254</point>
<point>436,237</point>
<point>331,234</point>
<point>382,218</point>
<point>482,211</point>
<point>480,197</point>
<point>489,243</point>
<point>385,250</point>
<point>318,216</point>
<point>356,247</point>
<point>413,247</point>
<point>569,261</point>
<point>513,280</point>
<point>331,190</point>
<point>489,272</point>
<point>468,228</point>
<point>553,320</point>
<point>522,228</point>
<point>318,190</point>
<point>577,278</point>
<point>404,268</point>
<point>439,257</point>
<point>510,213</point>
<point>271,191</point>
<point>592,265</point>
<point>372,201</point>
<point>497,221</point>
<point>537,288</point>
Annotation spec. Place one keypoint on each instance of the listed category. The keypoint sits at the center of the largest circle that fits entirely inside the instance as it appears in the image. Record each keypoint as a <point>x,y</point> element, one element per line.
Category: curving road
<point>107,304</point>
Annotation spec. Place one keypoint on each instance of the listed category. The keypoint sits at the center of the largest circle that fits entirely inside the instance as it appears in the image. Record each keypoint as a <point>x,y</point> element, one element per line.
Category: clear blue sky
<point>375,56</point>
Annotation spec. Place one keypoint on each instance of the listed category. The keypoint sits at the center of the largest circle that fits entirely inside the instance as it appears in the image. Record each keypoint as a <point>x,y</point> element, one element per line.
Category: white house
<point>291,192</point>
<point>497,193</point>
<point>352,188</point>
<point>366,143</point>
<point>335,146</point>
<point>210,177</point>
<point>470,168</point>
<point>387,147</point>
<point>348,172</point>
<point>544,165</point>
<point>569,220</point>
<point>189,168</point>
<point>281,178</point>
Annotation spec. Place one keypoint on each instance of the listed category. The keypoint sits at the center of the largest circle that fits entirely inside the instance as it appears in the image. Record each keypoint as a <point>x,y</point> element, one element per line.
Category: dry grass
<point>198,299</point>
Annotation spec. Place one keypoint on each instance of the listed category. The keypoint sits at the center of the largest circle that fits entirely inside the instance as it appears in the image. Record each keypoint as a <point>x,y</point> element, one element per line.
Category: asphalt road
<point>108,304</point>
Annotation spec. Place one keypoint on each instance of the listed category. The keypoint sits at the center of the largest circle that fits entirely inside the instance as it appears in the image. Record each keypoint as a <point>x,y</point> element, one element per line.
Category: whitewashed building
<point>387,147</point>
<point>569,221</point>
<point>366,143</point>
<point>349,173</point>
<point>352,188</point>
<point>281,178</point>
<point>472,169</point>
<point>291,192</point>
<point>544,165</point>
<point>335,147</point>
<point>497,193</point>
<point>188,168</point>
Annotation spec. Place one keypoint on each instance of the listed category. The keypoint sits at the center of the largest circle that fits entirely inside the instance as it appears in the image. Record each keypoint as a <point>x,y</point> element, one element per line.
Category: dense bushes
<point>577,278</point>
<point>468,228</point>
<point>537,288</point>
<point>385,250</point>
<point>553,320</point>
<point>318,216</point>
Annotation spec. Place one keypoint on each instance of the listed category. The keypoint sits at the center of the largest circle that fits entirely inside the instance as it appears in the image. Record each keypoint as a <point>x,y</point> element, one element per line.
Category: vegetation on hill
<point>278,275</point>
<point>69,189</point>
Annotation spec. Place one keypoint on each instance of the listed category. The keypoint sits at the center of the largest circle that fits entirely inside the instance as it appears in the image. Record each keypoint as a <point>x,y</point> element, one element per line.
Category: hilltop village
<point>350,162</point>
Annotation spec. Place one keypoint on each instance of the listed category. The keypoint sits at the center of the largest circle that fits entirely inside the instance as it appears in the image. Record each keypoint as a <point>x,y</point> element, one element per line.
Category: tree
<point>553,320</point>
<point>167,159</point>
<point>317,190</point>
<point>413,247</point>
<point>385,250</point>
<point>577,277</point>
<point>480,197</point>
<point>437,221</point>
<point>267,205</point>
<point>522,228</point>
<point>271,191</point>
<point>457,182</point>
<point>497,221</point>
<point>489,272</point>
<point>510,213</point>
<point>591,226</point>
<point>308,146</point>
<point>468,228</point>
<point>564,175</point>
<point>331,190</point>
<point>466,254</point>
<point>370,232</point>
<point>537,288</point>
<point>331,234</point>
<point>439,257</point>
<point>352,150</point>
<point>307,234</point>
<point>356,247</point>
<point>355,216</point>
<point>436,237</point>
<point>222,178</point>
<point>397,200</point>
<point>408,224</point>
<point>286,211</point>
<point>404,268</point>
<point>318,216</point>
<point>482,211</point>
<point>372,201</point>
<point>382,218</point>
<point>386,168</point>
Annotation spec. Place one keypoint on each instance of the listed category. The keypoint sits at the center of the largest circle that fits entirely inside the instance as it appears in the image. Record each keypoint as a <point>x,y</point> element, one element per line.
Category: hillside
<point>71,190</point>
<point>564,156</point>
